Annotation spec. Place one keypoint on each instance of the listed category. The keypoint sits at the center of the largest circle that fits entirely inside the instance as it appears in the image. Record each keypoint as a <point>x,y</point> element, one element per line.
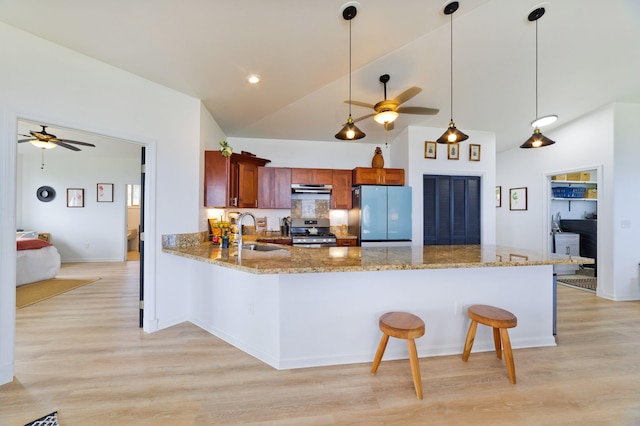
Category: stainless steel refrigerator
<point>381,215</point>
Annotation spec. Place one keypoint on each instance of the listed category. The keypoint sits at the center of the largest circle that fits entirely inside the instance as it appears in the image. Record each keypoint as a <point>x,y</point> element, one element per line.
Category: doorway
<point>451,206</point>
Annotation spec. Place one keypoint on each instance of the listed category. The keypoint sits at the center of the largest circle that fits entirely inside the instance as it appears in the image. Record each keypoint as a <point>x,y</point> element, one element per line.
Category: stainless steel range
<point>312,233</point>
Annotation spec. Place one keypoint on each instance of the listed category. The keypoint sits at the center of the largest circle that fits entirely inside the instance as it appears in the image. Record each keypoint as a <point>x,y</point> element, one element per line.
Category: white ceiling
<point>588,57</point>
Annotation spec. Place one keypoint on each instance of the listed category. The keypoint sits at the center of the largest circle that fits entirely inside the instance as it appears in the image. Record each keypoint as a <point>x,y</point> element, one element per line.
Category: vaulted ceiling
<point>587,54</point>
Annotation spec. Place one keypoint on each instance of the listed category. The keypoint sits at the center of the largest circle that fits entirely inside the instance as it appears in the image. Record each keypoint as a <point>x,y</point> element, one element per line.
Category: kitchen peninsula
<point>300,307</point>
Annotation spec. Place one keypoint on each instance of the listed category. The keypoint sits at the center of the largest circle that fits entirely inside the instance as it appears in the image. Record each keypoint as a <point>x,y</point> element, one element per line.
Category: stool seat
<point>500,320</point>
<point>401,325</point>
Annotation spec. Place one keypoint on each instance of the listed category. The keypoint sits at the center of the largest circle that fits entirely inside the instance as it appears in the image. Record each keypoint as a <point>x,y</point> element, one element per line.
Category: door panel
<point>374,212</point>
<point>399,213</point>
<point>452,207</point>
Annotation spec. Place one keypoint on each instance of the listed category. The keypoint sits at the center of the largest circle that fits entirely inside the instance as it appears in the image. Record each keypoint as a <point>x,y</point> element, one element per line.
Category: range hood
<point>300,188</point>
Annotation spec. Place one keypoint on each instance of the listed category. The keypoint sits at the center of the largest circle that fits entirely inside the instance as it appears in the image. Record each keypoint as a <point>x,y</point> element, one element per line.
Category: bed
<point>36,260</point>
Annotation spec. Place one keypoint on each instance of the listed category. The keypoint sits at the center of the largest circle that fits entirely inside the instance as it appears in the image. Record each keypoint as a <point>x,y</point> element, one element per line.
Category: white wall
<point>77,92</point>
<point>625,222</point>
<point>603,140</point>
<point>94,233</point>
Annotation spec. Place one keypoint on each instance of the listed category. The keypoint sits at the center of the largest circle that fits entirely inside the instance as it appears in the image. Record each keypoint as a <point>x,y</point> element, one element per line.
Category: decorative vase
<point>378,161</point>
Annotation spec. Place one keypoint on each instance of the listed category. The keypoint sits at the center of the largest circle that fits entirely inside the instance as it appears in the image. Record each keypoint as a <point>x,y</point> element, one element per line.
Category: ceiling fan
<point>43,139</point>
<point>387,110</point>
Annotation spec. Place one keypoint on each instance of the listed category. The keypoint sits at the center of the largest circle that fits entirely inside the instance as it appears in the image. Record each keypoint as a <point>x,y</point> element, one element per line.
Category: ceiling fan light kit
<point>537,139</point>
<point>385,117</point>
<point>452,135</point>
<point>349,131</point>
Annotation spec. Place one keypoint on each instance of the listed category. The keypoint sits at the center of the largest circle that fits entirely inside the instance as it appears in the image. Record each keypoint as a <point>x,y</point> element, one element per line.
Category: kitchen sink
<point>261,247</point>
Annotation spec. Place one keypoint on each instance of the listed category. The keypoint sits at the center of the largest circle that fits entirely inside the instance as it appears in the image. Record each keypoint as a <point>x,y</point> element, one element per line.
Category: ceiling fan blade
<point>64,145</point>
<point>75,142</point>
<point>418,110</point>
<point>407,94</point>
<point>358,103</point>
<point>26,140</point>
<point>363,117</point>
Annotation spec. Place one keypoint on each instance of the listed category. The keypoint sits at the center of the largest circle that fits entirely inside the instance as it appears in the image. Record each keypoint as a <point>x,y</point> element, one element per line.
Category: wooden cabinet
<point>341,190</point>
<point>374,176</point>
<point>312,176</point>
<point>346,242</point>
<point>274,188</point>
<point>231,181</point>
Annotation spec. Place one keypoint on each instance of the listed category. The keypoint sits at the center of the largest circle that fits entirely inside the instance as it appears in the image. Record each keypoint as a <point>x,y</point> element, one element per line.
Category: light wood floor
<point>81,353</point>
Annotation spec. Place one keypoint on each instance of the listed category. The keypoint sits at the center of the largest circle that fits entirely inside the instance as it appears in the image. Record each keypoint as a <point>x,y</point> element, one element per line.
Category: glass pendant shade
<point>350,131</point>
<point>452,135</point>
<point>537,140</point>
<point>43,144</point>
<point>385,117</point>
<point>544,121</point>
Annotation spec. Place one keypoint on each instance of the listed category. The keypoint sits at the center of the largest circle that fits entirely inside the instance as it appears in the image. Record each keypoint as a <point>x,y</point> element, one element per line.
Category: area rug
<point>48,420</point>
<point>581,282</point>
<point>29,294</point>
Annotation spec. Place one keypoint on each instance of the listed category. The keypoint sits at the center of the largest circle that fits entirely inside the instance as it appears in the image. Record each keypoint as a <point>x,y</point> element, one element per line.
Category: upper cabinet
<point>312,176</point>
<point>231,181</point>
<point>375,176</point>
<point>341,190</point>
<point>274,188</point>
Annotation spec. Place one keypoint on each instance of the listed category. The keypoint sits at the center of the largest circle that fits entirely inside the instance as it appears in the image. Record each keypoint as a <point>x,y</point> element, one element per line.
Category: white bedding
<point>37,265</point>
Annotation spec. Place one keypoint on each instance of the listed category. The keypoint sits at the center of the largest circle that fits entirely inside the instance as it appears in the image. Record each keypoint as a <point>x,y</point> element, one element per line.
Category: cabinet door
<point>346,242</point>
<point>392,177</point>
<point>216,179</point>
<point>266,187</point>
<point>365,176</point>
<point>247,185</point>
<point>312,176</point>
<point>341,191</point>
<point>282,188</point>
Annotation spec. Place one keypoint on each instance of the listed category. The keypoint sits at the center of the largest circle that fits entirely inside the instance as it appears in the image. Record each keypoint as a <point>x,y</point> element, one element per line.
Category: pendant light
<point>350,131</point>
<point>537,139</point>
<point>452,135</point>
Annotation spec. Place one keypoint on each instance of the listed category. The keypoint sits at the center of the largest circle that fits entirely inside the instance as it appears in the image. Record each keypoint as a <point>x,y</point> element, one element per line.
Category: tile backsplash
<point>310,208</point>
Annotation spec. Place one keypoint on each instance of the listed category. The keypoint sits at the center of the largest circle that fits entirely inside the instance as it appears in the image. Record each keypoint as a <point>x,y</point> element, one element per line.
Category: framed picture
<point>453,151</point>
<point>498,196</point>
<point>430,149</point>
<point>75,197</point>
<point>474,152</point>
<point>105,192</point>
<point>518,199</point>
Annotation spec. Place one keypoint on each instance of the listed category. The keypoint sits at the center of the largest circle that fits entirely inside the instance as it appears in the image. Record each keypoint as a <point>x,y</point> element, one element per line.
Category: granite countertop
<point>296,260</point>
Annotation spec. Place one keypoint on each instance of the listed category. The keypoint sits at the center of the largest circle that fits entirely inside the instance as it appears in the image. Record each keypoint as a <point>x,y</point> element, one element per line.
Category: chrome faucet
<point>239,226</point>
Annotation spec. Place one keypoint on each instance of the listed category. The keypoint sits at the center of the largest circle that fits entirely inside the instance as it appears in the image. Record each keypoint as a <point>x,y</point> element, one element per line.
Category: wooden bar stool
<point>401,325</point>
<point>500,320</point>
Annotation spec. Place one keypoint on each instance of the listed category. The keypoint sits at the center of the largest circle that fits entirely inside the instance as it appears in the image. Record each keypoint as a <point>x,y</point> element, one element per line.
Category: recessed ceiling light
<point>253,79</point>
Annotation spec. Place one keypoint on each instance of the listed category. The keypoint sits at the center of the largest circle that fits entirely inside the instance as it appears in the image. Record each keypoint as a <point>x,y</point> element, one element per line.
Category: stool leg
<point>496,342</point>
<point>471,335</point>
<point>381,347</point>
<point>415,368</point>
<point>508,355</point>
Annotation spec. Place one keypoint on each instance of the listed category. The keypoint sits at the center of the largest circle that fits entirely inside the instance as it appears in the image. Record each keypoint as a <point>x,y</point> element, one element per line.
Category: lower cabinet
<point>346,242</point>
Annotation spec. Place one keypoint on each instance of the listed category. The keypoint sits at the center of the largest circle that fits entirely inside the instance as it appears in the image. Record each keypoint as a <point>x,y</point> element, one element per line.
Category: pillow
<point>31,244</point>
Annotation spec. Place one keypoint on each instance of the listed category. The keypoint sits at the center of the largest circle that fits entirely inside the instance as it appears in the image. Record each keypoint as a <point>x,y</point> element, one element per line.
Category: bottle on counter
<point>225,240</point>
